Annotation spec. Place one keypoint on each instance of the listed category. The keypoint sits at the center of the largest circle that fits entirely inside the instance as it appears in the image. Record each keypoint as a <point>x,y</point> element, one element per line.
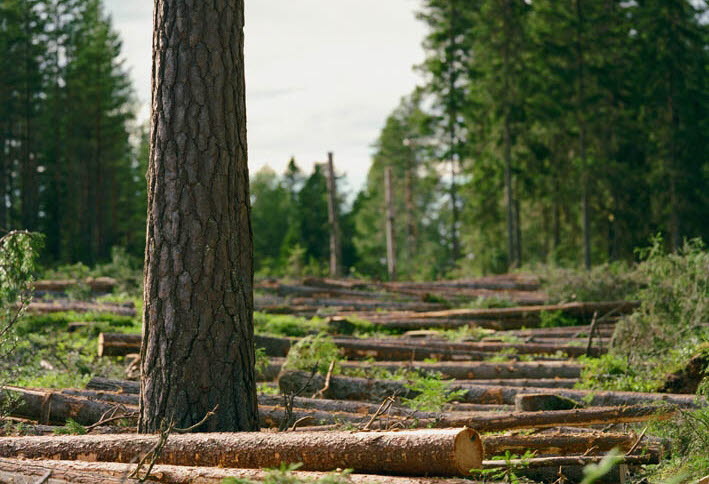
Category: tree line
<point>543,132</point>
<point>552,132</point>
<point>68,165</point>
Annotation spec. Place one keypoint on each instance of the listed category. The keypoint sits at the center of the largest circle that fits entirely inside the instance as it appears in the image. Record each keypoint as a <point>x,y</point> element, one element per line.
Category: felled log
<point>494,421</point>
<point>451,452</point>
<point>501,318</point>
<point>80,307</point>
<point>482,370</point>
<point>604,329</point>
<point>118,344</point>
<point>102,396</point>
<point>559,443</point>
<point>112,385</point>
<point>535,402</point>
<point>24,471</point>
<point>351,388</point>
<point>52,407</point>
<point>97,284</point>
<point>549,469</point>
<point>569,460</point>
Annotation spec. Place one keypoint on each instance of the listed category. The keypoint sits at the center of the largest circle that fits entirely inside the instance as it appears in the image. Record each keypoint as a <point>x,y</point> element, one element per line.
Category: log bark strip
<point>22,471</point>
<point>53,407</point>
<point>494,422</point>
<point>451,452</point>
<point>500,318</point>
<point>558,443</point>
<point>80,307</point>
<point>482,370</point>
<point>351,388</point>
<point>120,344</point>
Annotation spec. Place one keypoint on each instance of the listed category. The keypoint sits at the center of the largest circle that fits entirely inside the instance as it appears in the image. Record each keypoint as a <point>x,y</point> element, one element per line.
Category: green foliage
<point>553,319</point>
<point>595,472</point>
<point>262,360</point>
<point>433,393</point>
<point>674,303</point>
<point>287,325</point>
<point>689,437</point>
<point>606,282</point>
<point>71,428</point>
<point>614,372</point>
<point>18,256</point>
<point>313,351</point>
<point>284,475</point>
<point>466,333</point>
<point>513,463</point>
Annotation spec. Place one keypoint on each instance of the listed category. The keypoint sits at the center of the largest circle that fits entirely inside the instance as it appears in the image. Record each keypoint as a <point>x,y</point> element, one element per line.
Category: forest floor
<point>534,366</point>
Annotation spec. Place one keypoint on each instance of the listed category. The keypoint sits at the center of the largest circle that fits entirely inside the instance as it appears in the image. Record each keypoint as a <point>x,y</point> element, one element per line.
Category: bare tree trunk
<point>198,343</point>
<point>335,245</point>
<point>411,231</point>
<point>391,240</point>
<point>585,209</point>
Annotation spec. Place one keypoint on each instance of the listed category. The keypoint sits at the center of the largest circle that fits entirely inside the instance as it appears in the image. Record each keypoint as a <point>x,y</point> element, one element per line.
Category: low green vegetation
<point>658,340</point>
<point>433,393</point>
<point>313,351</point>
<point>285,475</point>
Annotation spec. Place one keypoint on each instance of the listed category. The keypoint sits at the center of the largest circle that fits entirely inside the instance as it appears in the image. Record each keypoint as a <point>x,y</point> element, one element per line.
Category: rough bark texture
<point>52,407</point>
<point>21,471</point>
<point>197,349</point>
<point>450,452</point>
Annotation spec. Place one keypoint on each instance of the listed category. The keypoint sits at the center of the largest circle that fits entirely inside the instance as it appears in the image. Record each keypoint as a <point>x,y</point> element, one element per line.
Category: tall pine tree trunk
<point>198,343</point>
<point>580,106</point>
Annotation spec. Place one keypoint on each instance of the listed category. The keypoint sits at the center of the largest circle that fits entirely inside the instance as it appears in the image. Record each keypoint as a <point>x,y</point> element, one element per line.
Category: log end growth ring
<point>468,450</point>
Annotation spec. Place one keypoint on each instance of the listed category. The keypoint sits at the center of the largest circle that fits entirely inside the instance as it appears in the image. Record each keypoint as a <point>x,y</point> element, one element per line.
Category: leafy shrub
<point>607,282</point>
<point>287,325</point>
<point>433,393</point>
<point>555,319</point>
<point>313,350</point>
<point>673,304</point>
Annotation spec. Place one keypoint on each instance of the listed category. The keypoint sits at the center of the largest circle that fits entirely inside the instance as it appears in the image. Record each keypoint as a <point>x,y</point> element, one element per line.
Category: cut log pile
<point>520,377</point>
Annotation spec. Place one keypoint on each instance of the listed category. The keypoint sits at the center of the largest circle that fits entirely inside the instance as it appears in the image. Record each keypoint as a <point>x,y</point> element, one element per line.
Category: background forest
<point>542,132</point>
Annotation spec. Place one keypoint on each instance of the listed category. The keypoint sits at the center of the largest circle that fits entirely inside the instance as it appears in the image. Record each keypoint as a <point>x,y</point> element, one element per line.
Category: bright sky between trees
<point>321,74</point>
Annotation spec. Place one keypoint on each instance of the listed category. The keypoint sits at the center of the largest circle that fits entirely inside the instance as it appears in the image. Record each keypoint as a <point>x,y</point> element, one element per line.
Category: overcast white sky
<point>321,74</point>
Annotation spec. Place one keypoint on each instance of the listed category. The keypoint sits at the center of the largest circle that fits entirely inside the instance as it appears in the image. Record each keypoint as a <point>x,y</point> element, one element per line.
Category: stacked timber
<point>390,349</point>
<point>353,388</point>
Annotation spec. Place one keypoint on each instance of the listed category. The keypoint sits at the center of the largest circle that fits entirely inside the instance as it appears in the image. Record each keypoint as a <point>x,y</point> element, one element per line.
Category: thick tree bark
<point>22,471</point>
<point>197,351</point>
<point>451,452</point>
